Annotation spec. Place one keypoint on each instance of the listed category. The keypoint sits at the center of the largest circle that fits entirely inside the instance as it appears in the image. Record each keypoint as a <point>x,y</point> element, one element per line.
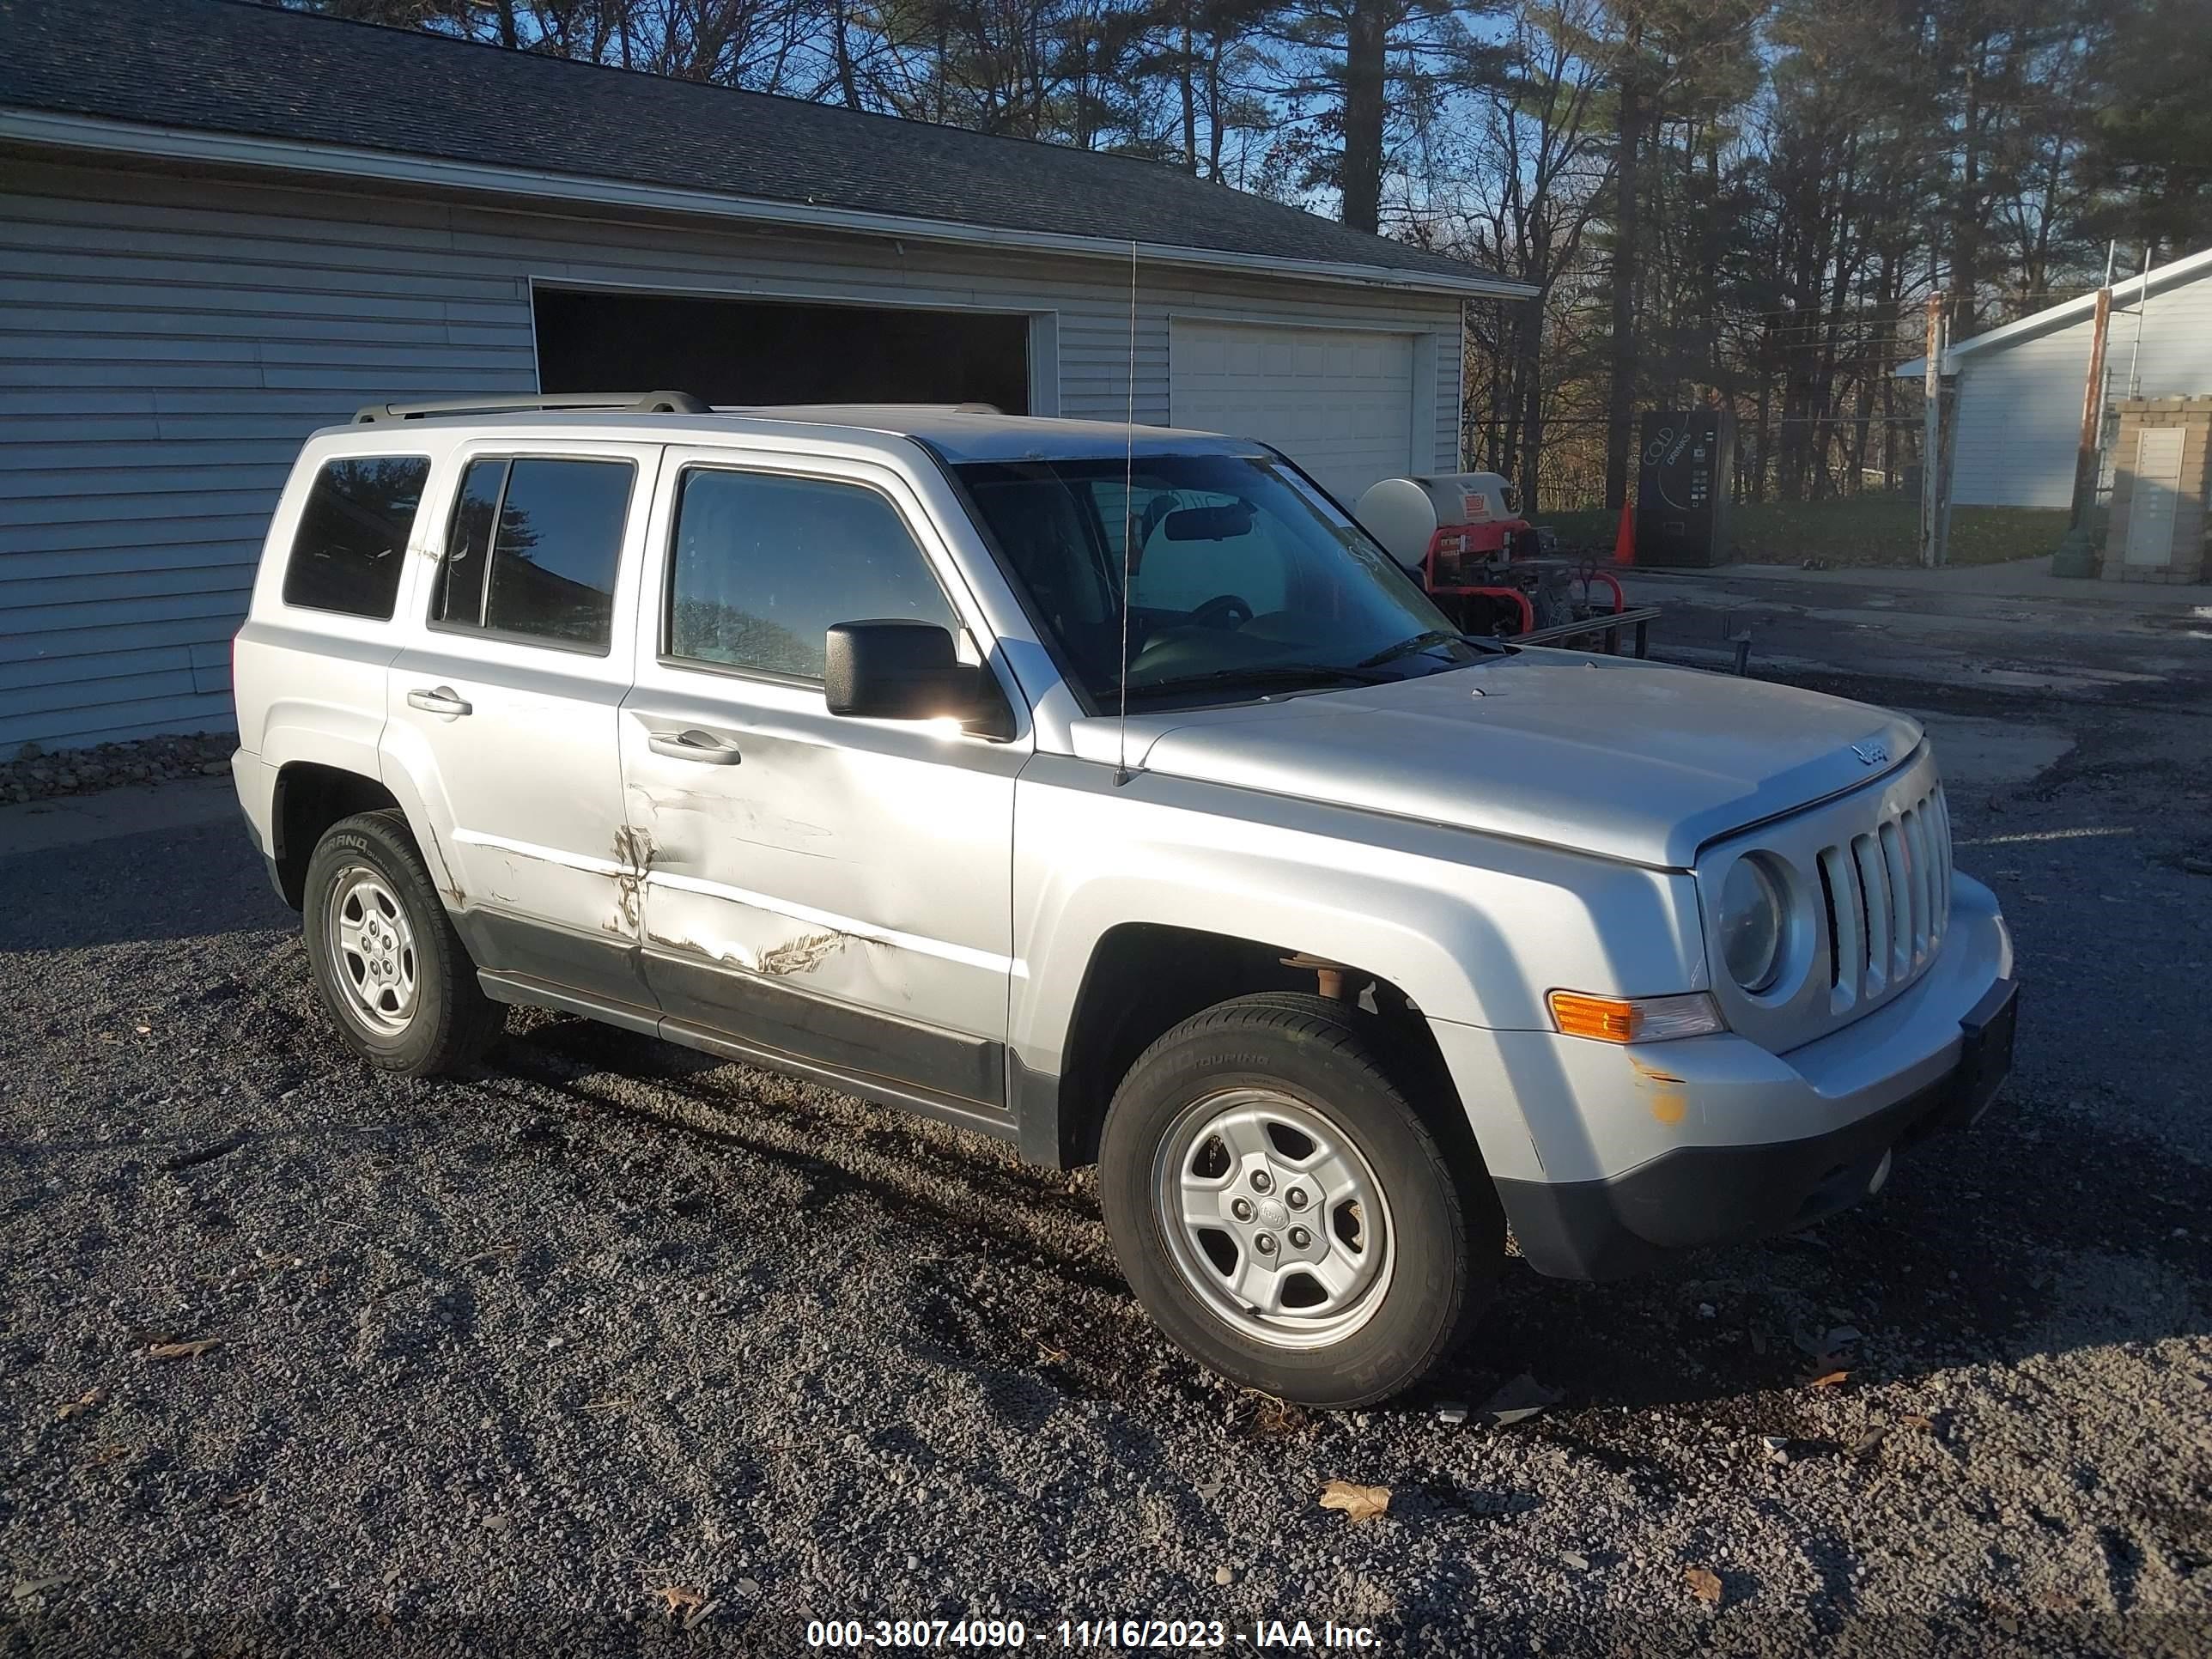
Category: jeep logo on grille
<point>1871,753</point>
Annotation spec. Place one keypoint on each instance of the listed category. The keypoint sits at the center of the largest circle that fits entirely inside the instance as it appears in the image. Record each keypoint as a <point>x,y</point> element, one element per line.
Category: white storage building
<point>2018,423</point>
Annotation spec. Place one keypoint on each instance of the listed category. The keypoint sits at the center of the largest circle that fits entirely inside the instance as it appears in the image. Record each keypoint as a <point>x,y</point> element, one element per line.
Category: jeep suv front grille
<point>1888,896</point>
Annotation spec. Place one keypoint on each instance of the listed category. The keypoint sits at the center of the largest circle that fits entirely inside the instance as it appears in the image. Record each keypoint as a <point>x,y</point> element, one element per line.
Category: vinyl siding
<point>2019,405</point>
<point>166,343</point>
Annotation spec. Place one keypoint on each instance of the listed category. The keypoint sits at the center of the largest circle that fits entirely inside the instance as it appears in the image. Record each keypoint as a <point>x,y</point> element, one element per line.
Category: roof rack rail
<point>628,402</point>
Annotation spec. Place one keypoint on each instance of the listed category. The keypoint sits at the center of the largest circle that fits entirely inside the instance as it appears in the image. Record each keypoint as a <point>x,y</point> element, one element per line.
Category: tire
<point>404,994</point>
<point>1301,1075</point>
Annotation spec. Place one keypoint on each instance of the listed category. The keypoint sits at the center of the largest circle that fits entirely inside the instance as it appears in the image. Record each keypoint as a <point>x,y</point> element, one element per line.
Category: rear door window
<point>534,548</point>
<point>351,544</point>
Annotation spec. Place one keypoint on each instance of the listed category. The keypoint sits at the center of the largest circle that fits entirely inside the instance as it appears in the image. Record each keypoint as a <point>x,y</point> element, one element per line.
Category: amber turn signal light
<point>1634,1019</point>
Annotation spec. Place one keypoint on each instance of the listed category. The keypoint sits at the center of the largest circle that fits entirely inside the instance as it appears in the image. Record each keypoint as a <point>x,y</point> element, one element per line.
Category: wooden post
<point>2092,414</point>
<point>1932,434</point>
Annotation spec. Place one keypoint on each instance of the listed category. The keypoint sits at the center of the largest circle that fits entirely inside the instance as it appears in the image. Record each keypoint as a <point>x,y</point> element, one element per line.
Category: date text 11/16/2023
<point>1125,1635</point>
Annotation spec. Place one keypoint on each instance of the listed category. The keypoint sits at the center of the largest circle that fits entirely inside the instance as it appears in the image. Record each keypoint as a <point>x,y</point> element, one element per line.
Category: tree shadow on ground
<point>2029,1234</point>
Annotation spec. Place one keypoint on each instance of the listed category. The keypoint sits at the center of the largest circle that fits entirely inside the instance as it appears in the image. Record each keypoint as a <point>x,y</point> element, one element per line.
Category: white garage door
<point>1339,402</point>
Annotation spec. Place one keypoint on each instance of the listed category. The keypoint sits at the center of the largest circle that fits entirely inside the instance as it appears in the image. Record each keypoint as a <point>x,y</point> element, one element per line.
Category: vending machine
<point>1684,473</point>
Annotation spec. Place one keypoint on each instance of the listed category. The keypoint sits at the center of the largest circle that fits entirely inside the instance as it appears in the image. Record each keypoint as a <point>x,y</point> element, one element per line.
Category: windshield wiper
<point>1259,674</point>
<point>1423,641</point>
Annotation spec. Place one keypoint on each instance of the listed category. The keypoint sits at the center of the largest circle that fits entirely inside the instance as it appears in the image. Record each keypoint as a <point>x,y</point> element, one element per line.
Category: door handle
<point>441,701</point>
<point>694,745</point>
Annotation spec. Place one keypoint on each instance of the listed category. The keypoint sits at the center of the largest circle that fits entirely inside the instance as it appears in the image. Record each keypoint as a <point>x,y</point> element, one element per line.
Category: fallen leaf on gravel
<point>1522,1397</point>
<point>1271,1417</point>
<point>700,1615</point>
<point>1824,1345</point>
<point>1913,1420</point>
<point>1359,1503</point>
<point>83,1403</point>
<point>191,1350</point>
<point>1829,1379</point>
<point>1704,1583</point>
<point>1867,1442</point>
<point>680,1597</point>
<point>193,1157</point>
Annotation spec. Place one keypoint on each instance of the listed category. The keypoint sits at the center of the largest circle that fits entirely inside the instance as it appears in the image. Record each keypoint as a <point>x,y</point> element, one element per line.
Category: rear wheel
<point>1285,1211</point>
<point>386,959</point>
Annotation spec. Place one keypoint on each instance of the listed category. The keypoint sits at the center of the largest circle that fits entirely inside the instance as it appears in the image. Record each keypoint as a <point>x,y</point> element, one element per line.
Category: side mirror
<point>903,671</point>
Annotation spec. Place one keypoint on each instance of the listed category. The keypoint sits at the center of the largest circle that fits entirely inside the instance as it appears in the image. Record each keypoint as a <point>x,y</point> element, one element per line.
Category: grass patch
<point>1876,530</point>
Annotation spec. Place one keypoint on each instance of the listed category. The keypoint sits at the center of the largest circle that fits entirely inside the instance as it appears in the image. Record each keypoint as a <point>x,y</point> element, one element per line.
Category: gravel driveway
<point>612,1340</point>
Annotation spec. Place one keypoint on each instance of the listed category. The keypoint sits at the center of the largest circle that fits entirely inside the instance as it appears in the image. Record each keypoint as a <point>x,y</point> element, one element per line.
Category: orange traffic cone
<point>1624,544</point>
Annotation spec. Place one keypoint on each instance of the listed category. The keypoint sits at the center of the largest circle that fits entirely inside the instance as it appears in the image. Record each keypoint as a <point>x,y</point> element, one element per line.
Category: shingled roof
<point>259,71</point>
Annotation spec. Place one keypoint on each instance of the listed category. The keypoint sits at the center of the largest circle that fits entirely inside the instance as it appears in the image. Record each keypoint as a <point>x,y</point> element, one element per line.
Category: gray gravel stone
<point>803,1341</point>
<point>35,774</point>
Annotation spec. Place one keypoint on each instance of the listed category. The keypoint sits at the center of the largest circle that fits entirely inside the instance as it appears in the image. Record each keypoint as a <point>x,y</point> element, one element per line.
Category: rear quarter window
<point>351,545</point>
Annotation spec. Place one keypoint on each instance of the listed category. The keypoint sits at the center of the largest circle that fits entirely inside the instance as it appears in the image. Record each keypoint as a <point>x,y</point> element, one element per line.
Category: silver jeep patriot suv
<point>1120,796</point>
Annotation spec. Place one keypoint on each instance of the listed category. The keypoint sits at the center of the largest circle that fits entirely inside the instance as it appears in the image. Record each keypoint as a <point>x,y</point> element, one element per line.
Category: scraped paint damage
<point>1670,1096</point>
<point>798,956</point>
<point>802,955</point>
<point>633,852</point>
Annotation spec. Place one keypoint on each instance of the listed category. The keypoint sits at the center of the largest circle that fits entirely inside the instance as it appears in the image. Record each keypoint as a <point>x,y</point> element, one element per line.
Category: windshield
<point>1243,578</point>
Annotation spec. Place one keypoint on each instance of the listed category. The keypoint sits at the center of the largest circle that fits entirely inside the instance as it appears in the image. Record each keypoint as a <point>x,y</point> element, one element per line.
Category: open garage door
<point>1339,402</point>
<point>769,351</point>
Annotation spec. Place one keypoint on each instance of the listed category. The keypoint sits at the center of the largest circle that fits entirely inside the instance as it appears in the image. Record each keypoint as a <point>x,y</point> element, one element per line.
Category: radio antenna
<point>1128,520</point>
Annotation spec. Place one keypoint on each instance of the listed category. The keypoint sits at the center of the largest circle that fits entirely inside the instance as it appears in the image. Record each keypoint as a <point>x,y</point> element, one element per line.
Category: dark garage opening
<point>763,351</point>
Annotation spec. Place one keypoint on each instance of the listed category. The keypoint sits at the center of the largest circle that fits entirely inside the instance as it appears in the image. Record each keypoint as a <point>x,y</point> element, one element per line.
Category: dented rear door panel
<point>523,791</point>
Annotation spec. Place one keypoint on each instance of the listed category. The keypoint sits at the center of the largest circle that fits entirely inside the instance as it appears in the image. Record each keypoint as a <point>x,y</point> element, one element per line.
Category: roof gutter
<point>2129,290</point>
<point>384,167</point>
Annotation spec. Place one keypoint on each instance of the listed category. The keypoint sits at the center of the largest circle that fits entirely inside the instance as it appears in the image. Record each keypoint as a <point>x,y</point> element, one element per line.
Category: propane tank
<point>1439,520</point>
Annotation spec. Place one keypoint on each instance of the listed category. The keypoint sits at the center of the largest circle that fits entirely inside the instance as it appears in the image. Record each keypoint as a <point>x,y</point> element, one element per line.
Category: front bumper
<point>1631,1152</point>
<point>1698,1195</point>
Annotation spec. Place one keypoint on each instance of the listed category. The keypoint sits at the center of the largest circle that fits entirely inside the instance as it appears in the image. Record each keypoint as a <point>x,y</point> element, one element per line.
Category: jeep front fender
<point>1474,929</point>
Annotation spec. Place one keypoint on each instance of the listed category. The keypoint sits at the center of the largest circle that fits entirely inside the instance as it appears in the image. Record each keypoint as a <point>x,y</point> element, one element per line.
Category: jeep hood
<point>1604,755</point>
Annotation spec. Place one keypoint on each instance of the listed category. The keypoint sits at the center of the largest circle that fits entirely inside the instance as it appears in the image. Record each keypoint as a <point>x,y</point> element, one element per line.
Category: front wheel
<point>1283,1210</point>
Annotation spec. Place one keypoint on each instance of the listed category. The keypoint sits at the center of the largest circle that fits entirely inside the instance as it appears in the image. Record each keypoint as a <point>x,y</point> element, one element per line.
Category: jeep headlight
<point>1750,922</point>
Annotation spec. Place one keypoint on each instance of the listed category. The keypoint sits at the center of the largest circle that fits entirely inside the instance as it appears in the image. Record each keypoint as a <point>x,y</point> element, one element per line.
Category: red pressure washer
<point>1459,534</point>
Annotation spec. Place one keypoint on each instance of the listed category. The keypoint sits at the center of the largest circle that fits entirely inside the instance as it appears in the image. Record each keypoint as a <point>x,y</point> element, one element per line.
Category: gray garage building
<point>224,224</point>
